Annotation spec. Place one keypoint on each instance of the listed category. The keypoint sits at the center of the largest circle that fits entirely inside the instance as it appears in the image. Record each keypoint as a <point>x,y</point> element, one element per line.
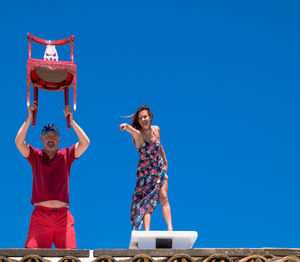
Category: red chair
<point>50,74</point>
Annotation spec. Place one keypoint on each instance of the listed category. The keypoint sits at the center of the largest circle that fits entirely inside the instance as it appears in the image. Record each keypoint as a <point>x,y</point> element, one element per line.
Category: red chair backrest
<point>69,40</point>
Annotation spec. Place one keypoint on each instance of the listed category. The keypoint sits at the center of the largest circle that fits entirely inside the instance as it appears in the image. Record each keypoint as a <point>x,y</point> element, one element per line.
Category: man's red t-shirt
<point>51,177</point>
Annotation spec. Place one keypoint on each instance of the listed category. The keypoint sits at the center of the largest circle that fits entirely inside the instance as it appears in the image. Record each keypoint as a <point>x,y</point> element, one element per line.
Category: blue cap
<point>50,128</point>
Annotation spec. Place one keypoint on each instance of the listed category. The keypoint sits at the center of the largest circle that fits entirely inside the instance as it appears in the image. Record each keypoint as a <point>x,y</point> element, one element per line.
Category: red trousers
<point>51,225</point>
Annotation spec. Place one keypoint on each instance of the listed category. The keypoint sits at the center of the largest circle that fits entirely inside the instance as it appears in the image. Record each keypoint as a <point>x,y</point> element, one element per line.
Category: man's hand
<point>30,109</point>
<point>68,112</point>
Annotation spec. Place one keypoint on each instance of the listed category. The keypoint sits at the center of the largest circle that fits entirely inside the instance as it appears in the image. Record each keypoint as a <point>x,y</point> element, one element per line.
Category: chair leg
<point>36,100</point>
<point>75,92</point>
<point>67,103</point>
<point>28,86</point>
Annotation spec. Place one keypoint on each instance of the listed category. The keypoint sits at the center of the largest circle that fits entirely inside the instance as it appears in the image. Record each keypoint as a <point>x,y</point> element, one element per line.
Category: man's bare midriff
<point>52,204</point>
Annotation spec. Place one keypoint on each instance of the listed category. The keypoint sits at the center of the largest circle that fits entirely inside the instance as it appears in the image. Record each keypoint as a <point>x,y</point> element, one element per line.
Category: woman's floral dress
<point>150,177</point>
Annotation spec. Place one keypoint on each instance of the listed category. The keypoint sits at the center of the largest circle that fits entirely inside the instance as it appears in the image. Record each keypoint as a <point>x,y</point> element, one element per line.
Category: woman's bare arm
<point>163,155</point>
<point>161,150</point>
<point>136,134</point>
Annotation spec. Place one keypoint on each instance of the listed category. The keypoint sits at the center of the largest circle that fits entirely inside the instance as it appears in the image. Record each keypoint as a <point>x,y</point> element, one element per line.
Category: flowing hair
<point>135,117</point>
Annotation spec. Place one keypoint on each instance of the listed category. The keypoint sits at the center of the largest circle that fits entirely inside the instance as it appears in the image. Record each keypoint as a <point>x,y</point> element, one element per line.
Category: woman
<point>151,175</point>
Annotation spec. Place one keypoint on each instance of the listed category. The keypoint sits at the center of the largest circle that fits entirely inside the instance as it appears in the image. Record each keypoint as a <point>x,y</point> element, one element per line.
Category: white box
<point>169,239</point>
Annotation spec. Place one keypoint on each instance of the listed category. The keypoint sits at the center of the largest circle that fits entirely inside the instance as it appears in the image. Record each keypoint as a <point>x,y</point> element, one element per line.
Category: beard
<point>51,145</point>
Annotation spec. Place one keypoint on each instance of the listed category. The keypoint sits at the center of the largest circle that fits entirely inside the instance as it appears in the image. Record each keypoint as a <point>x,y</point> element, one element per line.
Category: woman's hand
<point>123,126</point>
<point>166,166</point>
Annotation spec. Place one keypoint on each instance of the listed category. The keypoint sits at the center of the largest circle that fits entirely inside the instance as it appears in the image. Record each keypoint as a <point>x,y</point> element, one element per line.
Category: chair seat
<point>51,75</point>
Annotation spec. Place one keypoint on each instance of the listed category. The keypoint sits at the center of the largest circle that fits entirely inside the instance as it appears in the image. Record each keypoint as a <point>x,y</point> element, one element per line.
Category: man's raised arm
<point>20,138</point>
<point>84,141</point>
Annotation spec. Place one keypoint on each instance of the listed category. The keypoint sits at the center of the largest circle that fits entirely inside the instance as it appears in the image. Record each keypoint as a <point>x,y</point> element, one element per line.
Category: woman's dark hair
<point>135,118</point>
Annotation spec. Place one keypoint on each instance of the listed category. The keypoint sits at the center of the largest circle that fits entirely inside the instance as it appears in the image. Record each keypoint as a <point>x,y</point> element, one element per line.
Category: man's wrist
<point>28,121</point>
<point>72,122</point>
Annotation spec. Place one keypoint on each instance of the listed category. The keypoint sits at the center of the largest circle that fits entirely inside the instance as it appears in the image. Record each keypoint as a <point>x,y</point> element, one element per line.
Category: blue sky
<point>222,80</point>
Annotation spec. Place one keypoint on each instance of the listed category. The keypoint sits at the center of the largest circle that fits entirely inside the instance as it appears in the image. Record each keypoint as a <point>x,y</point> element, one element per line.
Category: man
<point>51,221</point>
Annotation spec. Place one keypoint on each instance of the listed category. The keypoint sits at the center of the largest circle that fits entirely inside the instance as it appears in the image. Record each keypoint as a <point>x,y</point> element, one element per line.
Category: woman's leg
<point>147,218</point>
<point>166,210</point>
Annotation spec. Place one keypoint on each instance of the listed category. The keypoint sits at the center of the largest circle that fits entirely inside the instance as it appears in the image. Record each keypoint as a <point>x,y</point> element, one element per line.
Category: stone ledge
<point>199,252</point>
<point>237,253</point>
<point>21,252</point>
